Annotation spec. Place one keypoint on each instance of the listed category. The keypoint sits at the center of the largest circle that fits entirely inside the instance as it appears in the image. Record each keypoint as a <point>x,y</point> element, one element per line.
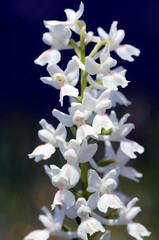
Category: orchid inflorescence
<point>95,203</point>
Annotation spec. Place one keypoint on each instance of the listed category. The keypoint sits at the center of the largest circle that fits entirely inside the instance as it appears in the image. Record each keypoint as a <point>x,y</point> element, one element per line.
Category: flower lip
<point>60,79</point>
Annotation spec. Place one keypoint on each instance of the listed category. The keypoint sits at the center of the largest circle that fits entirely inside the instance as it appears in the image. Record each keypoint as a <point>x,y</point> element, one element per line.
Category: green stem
<point>75,47</point>
<point>97,47</point>
<point>84,181</point>
<point>84,75</point>
<point>66,228</point>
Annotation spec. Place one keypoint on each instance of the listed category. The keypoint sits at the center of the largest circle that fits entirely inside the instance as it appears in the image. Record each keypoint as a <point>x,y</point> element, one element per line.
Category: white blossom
<point>78,116</point>
<point>106,62</point>
<point>75,153</point>
<point>99,106</point>
<point>102,189</point>
<point>58,37</point>
<point>50,56</point>
<point>88,224</point>
<point>120,131</point>
<point>137,230</point>
<point>63,80</point>
<point>63,196</point>
<point>71,22</point>
<point>121,161</point>
<point>51,137</point>
<point>115,37</point>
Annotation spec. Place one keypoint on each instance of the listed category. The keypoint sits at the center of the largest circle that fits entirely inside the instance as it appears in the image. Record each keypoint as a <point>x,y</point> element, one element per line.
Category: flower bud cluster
<point>87,189</point>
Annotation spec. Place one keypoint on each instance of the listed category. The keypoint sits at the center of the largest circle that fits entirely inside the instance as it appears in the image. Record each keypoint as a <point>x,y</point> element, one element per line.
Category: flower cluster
<point>87,189</point>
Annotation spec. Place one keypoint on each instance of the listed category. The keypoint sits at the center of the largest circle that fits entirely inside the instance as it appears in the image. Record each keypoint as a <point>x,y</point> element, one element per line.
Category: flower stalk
<point>84,185</point>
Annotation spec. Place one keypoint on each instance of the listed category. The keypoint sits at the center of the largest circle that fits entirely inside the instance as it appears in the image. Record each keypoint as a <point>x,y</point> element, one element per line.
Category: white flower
<point>115,37</point>
<point>106,62</point>
<point>63,80</point>
<point>72,18</point>
<point>78,116</point>
<point>58,37</point>
<point>137,230</point>
<point>111,79</point>
<point>121,160</point>
<point>88,224</point>
<point>120,131</point>
<point>38,235</point>
<point>118,97</point>
<point>129,212</point>
<point>75,153</point>
<point>63,195</point>
<point>127,215</point>
<point>102,196</point>
<point>99,106</point>
<point>51,137</point>
<point>50,56</point>
<point>52,223</point>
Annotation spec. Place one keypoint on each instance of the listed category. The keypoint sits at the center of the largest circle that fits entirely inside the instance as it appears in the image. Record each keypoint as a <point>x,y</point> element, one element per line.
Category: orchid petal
<point>50,56</point>
<point>63,118</point>
<point>42,152</point>
<point>137,230</point>
<point>109,200</point>
<point>126,51</point>
<point>129,147</point>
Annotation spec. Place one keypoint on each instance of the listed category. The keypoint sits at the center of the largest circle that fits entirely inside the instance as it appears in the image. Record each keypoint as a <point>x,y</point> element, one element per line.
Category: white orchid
<point>78,116</point>
<point>117,97</point>
<point>99,106</point>
<point>38,235</point>
<point>50,56</point>
<point>71,22</point>
<point>58,37</point>
<point>53,226</point>
<point>88,224</point>
<point>63,80</point>
<point>115,37</point>
<point>127,215</point>
<point>111,79</point>
<point>51,137</point>
<point>106,62</point>
<point>63,195</point>
<point>75,153</point>
<point>102,189</point>
<point>120,164</point>
<point>120,131</point>
<point>137,230</point>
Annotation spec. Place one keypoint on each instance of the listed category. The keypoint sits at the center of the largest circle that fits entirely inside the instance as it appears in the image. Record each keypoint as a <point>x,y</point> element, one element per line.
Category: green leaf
<point>105,162</point>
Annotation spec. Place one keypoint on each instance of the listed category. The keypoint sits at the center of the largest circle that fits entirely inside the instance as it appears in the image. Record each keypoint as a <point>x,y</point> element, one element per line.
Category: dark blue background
<point>21,32</point>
